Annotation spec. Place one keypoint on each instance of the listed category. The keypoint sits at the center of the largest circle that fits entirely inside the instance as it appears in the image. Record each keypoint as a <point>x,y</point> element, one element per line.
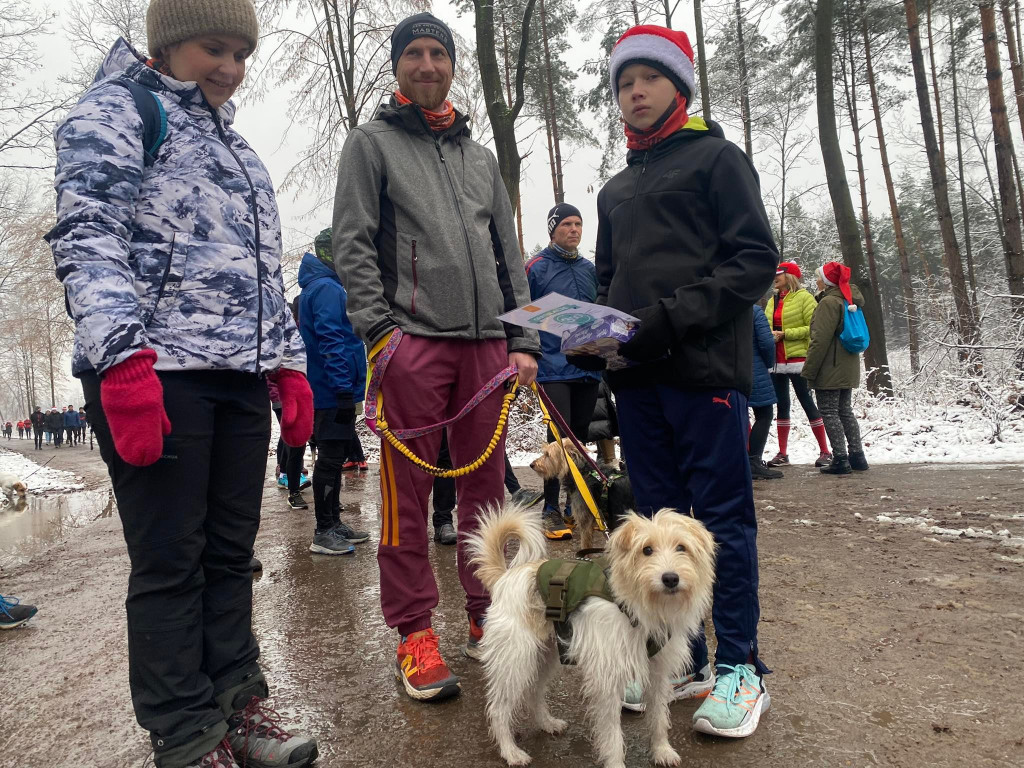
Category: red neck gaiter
<point>438,121</point>
<point>673,119</point>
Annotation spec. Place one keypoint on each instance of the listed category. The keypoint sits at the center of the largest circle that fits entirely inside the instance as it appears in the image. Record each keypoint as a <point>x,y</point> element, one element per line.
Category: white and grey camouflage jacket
<point>182,256</point>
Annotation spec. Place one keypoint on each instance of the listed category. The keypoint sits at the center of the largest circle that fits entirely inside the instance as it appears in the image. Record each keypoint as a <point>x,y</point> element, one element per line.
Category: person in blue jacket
<point>336,369</point>
<point>71,425</point>
<point>762,398</point>
<point>559,268</point>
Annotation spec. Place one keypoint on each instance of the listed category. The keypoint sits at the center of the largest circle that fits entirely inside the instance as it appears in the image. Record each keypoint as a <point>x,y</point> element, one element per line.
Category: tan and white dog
<point>660,572</point>
<point>613,502</point>
<point>11,486</point>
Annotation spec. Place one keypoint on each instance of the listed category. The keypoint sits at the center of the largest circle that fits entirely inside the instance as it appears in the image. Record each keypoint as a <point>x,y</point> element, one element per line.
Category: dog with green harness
<point>627,616</point>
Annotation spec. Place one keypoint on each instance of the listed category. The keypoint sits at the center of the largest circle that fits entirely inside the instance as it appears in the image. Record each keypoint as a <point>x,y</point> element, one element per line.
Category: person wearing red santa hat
<point>833,372</point>
<point>789,313</point>
<point>684,244</point>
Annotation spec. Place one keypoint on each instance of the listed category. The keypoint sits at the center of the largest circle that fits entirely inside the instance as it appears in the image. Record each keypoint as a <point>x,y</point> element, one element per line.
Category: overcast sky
<point>265,123</point>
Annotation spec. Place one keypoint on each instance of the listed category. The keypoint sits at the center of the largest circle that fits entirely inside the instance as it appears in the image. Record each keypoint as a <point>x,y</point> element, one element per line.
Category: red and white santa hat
<point>667,50</point>
<point>837,274</point>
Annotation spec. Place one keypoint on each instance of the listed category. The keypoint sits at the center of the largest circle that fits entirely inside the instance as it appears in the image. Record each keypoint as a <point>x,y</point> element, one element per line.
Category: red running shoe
<point>422,670</point>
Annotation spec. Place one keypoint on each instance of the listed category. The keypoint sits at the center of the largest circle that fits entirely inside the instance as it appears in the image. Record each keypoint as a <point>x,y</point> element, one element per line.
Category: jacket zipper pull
<point>440,154</point>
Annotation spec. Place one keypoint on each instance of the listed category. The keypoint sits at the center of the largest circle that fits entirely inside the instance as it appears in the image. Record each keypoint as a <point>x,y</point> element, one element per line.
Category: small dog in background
<point>613,505</point>
<point>12,486</point>
<point>660,574</point>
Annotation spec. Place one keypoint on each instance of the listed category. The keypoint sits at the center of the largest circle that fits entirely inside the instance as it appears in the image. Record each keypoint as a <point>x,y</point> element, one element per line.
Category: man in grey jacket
<point>425,243</point>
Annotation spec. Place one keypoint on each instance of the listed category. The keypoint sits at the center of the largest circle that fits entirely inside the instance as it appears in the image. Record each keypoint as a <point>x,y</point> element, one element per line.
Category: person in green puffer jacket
<point>832,371</point>
<point>789,313</point>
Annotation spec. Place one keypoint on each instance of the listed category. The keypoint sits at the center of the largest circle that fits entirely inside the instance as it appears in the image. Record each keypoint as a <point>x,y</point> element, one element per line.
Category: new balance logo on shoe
<point>724,401</point>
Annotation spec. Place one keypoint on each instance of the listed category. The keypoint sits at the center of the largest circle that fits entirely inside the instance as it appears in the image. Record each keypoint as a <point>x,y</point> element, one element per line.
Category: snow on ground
<point>897,431</point>
<point>38,480</point>
<point>900,431</point>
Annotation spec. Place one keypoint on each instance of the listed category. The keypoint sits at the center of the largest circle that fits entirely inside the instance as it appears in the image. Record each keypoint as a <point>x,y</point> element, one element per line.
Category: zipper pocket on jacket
<point>415,280</point>
<point>163,283</point>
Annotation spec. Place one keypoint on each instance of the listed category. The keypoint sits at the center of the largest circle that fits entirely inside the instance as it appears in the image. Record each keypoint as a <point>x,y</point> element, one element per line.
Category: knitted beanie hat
<point>420,25</point>
<point>322,247</point>
<point>559,213</point>
<point>668,51</point>
<point>174,21</point>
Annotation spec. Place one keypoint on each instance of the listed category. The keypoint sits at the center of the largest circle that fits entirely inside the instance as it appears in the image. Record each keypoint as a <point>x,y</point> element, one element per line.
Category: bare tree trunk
<point>553,115</point>
<point>551,154</point>
<point>935,86</point>
<point>960,170</point>
<point>851,102</point>
<point>50,355</point>
<point>744,82</point>
<point>1018,87</point>
<point>1020,42</point>
<point>702,60</point>
<point>969,334</point>
<point>502,114</point>
<point>1015,64</point>
<point>636,12</point>
<point>993,201</point>
<point>906,281</point>
<point>879,379</point>
<point>1013,249</point>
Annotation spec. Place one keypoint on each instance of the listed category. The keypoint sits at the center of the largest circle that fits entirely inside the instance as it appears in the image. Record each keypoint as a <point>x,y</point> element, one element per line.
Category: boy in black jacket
<point>684,243</point>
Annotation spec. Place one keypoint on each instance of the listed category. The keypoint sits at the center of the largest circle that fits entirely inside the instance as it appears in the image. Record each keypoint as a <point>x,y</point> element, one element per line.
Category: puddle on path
<point>38,522</point>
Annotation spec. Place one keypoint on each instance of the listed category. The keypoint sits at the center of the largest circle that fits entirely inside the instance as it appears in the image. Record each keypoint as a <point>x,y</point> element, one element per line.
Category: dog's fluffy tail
<point>498,526</point>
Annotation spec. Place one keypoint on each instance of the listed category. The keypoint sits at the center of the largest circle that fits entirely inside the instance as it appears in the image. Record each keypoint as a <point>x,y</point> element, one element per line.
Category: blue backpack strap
<point>154,131</point>
<point>154,118</point>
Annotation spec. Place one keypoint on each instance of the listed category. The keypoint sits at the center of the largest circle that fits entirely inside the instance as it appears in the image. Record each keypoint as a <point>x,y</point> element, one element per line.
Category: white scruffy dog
<point>11,486</point>
<point>661,574</point>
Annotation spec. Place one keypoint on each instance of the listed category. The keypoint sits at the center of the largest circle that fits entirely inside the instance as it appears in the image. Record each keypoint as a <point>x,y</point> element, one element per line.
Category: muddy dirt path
<point>895,641</point>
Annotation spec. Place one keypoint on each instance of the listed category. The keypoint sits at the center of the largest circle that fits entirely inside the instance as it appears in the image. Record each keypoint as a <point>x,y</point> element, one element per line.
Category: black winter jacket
<point>604,424</point>
<point>683,242</point>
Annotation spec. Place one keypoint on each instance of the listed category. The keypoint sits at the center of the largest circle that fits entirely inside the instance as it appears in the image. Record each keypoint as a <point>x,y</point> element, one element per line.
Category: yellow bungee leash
<point>386,433</point>
<point>377,422</point>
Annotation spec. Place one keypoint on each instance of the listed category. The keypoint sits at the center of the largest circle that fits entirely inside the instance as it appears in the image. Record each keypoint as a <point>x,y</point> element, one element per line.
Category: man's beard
<point>430,96</point>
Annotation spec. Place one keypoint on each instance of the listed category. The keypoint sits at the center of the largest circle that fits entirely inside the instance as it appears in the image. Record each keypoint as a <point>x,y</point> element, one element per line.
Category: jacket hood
<point>410,117</point>
<point>124,61</point>
<point>696,128</point>
<point>312,268</point>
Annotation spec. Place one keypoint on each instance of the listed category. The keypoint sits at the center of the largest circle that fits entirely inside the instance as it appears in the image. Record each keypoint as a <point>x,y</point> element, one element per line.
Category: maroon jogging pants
<point>427,381</point>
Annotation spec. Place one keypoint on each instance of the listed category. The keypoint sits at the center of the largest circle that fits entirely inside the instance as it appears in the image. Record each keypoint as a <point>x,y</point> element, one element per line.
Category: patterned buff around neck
<point>438,121</point>
<point>671,122</point>
<point>570,255</point>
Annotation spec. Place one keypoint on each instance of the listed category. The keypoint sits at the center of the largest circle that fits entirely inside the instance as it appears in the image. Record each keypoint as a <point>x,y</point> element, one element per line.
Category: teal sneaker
<point>734,708</point>
<point>696,685</point>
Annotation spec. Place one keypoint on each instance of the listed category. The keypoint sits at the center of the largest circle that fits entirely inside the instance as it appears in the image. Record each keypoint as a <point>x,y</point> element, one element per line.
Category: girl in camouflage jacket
<point>170,258</point>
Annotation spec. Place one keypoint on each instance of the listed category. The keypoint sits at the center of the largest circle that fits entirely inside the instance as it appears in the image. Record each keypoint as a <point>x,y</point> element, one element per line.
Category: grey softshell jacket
<point>424,238</point>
